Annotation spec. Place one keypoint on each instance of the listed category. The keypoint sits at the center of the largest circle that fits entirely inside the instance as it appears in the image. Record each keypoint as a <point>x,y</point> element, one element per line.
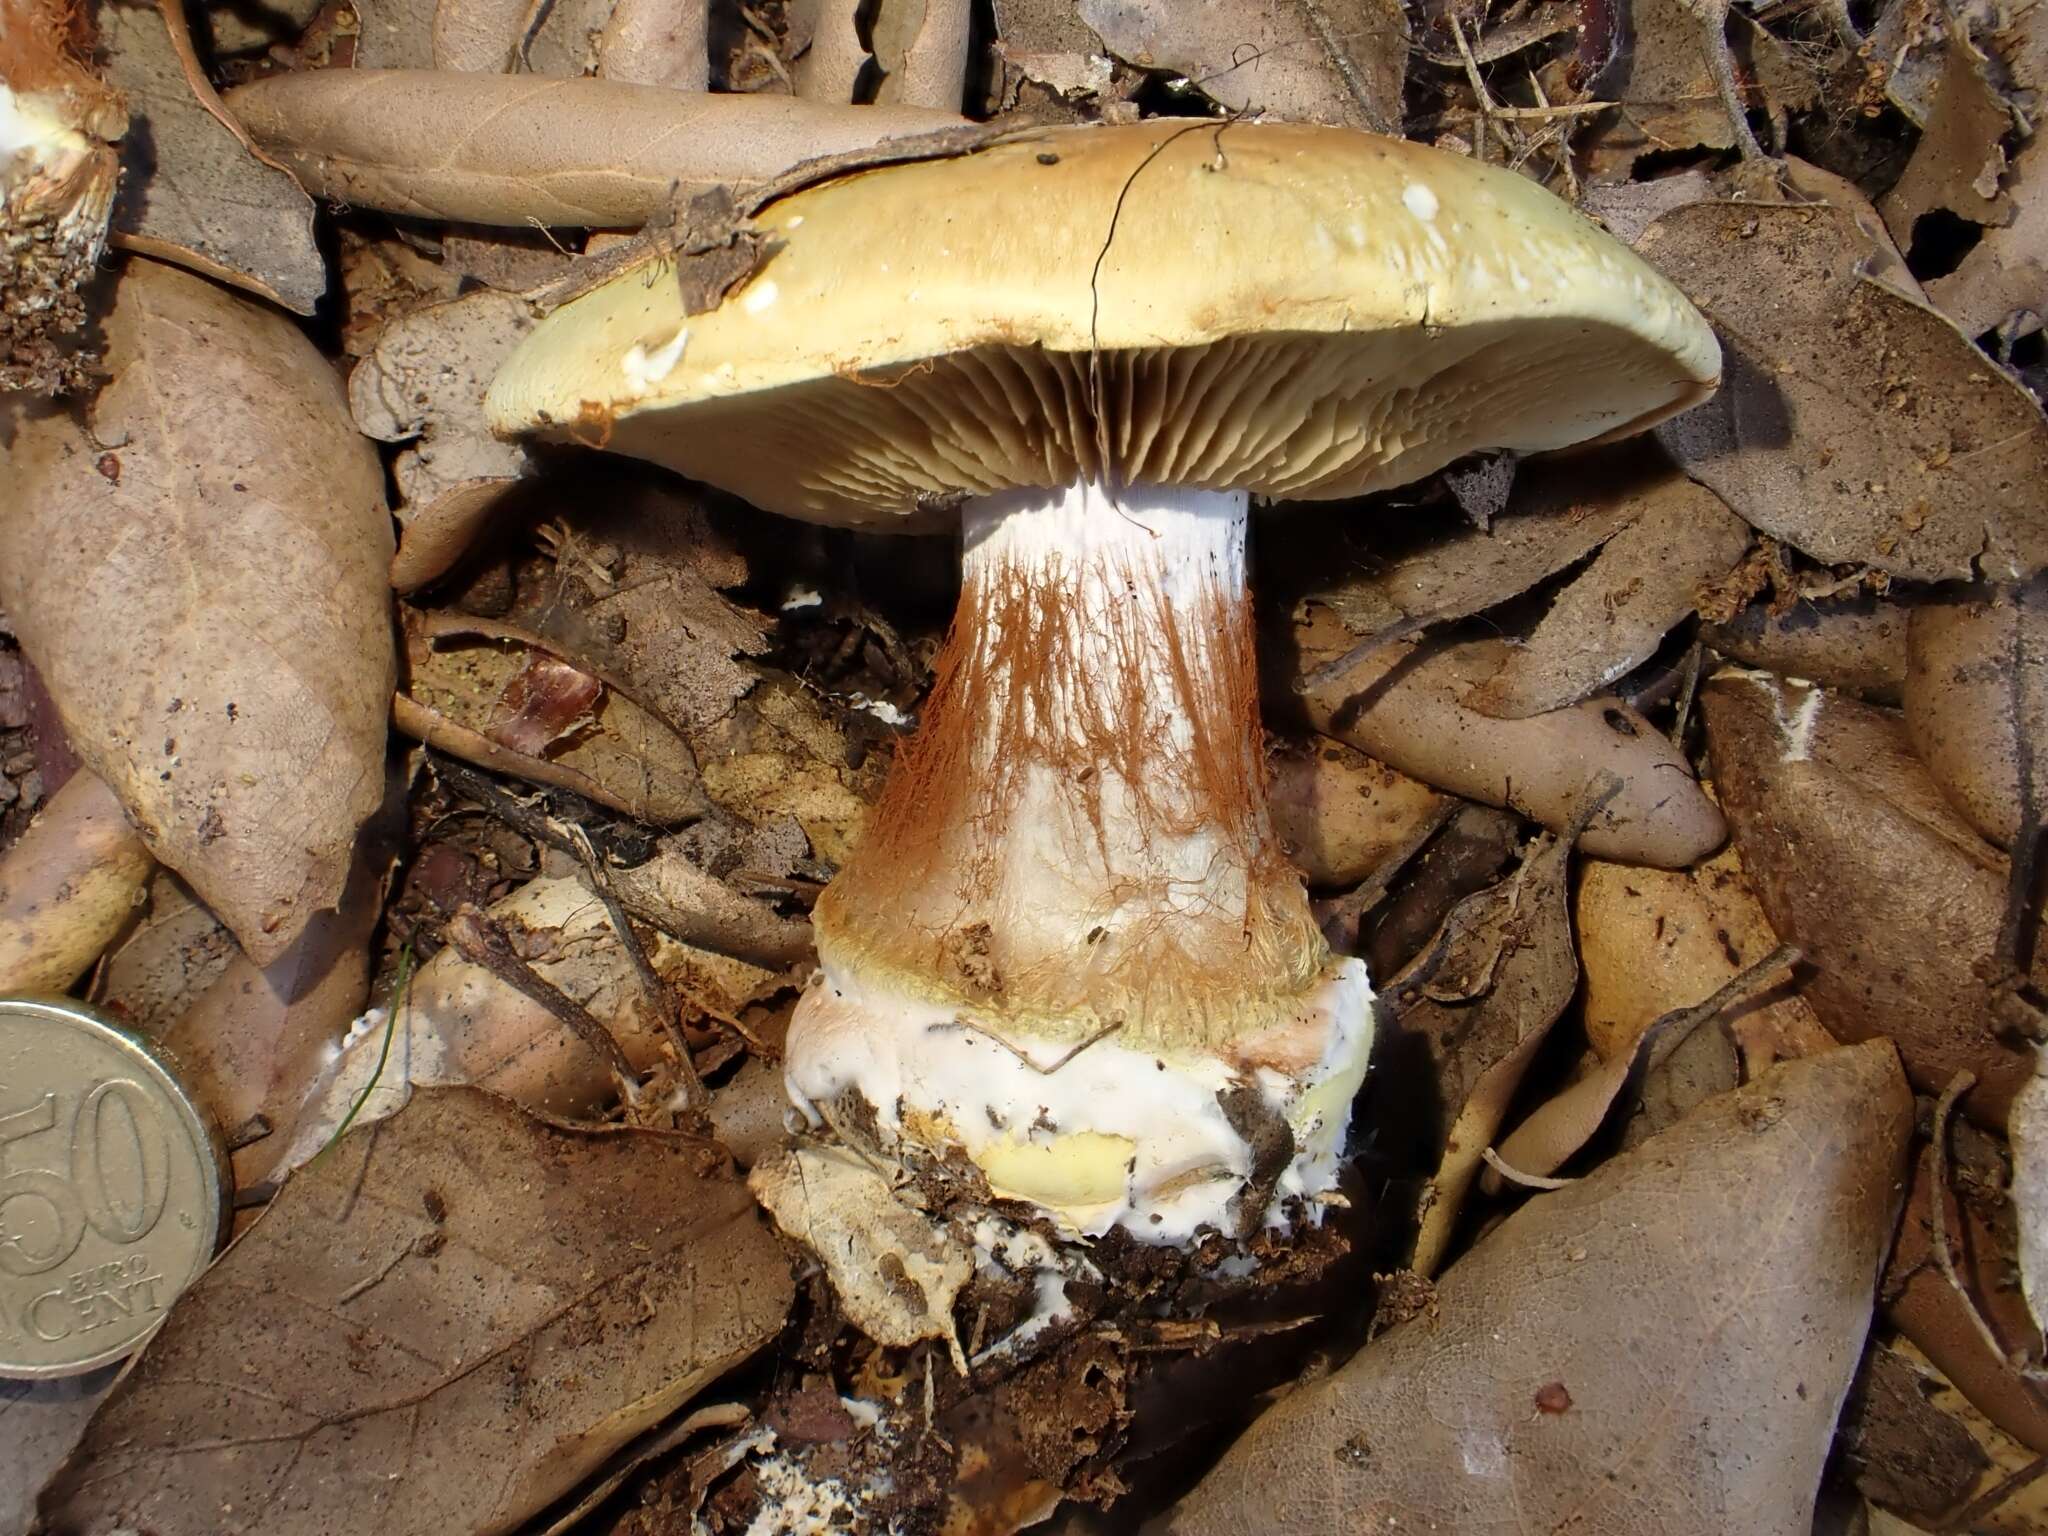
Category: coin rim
<point>199,1127</point>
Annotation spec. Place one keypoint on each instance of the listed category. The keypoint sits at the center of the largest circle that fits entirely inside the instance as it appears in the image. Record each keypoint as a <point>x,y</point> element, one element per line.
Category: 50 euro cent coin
<point>113,1185</point>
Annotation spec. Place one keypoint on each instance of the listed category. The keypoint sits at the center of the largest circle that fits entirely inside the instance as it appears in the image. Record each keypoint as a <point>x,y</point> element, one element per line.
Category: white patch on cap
<point>644,369</point>
<point>1419,200</point>
<point>760,296</point>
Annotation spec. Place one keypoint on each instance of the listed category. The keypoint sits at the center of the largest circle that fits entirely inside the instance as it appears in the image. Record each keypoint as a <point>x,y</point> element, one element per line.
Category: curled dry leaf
<point>2027,1129</point>
<point>1614,614</point>
<point>1663,80</point>
<point>1403,707</point>
<point>1507,970</point>
<point>2006,273</point>
<point>1561,513</point>
<point>220,502</point>
<point>895,1271</point>
<point>459,1024</point>
<point>695,907</point>
<point>1960,158</point>
<point>67,887</point>
<point>1854,645</point>
<point>438,1327</point>
<point>1948,1320</point>
<point>600,153</point>
<point>423,383</point>
<point>1339,814</point>
<point>1853,423</point>
<point>1656,947</point>
<point>191,193</point>
<point>1977,702</point>
<point>253,1044</point>
<point>500,697</point>
<point>1894,899</point>
<point>1317,61</point>
<point>1702,1362</point>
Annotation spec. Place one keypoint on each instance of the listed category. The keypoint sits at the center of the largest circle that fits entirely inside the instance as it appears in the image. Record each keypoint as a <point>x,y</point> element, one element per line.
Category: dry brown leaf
<point>1666,90</point>
<point>1853,645</point>
<point>467,692</point>
<point>1598,1367</point>
<point>1403,706</point>
<point>423,384</point>
<point>1899,1448</point>
<point>1558,517</point>
<point>580,152</point>
<point>1960,159</point>
<point>479,35</point>
<point>694,907</point>
<point>1318,61</point>
<point>895,1271</point>
<point>1478,1041</point>
<point>1893,899</point>
<point>1653,940</point>
<point>175,951</point>
<point>445,1324</point>
<point>191,194</point>
<point>2025,1511</point>
<point>68,885</point>
<point>1977,702</point>
<point>1339,814</point>
<point>639,569</point>
<point>657,42</point>
<point>748,1112</point>
<point>1852,423</point>
<point>781,754</point>
<point>2007,271</point>
<point>223,506</point>
<point>921,48</point>
<point>394,34</point>
<point>40,1421</point>
<point>1613,615</point>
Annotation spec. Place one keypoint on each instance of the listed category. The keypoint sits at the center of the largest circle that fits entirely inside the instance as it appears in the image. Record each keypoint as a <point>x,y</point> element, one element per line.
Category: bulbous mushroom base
<point>1096,1133</point>
<point>1069,945</point>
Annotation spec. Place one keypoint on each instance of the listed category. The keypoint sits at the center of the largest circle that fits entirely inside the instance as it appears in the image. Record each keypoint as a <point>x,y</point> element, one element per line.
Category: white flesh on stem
<point>1105,1107</point>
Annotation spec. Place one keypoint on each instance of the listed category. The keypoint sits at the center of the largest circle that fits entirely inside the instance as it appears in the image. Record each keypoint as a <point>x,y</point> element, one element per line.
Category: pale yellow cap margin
<point>1287,309</point>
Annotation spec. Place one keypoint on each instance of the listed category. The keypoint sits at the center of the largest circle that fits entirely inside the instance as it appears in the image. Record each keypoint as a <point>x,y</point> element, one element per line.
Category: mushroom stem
<point>1070,941</point>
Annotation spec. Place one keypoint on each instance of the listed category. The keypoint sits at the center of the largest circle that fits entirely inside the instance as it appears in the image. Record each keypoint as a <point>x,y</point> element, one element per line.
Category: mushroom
<point>58,175</point>
<point>1070,950</point>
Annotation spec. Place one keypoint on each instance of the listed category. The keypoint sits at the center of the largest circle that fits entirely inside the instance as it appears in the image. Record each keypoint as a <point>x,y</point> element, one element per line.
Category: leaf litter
<point>656,726</point>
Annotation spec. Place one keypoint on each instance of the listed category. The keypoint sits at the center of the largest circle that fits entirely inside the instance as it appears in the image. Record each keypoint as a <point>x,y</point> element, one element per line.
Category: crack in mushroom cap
<point>1292,310</point>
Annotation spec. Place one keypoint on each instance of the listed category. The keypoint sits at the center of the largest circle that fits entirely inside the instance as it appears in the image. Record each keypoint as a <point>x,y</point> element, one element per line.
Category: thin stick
<point>1479,90</point>
<point>660,997</point>
<point>1101,1034</point>
<point>1994,1496</point>
<point>1335,671</point>
<point>1686,692</point>
<point>1372,890</point>
<point>479,940</point>
<point>1944,1259</point>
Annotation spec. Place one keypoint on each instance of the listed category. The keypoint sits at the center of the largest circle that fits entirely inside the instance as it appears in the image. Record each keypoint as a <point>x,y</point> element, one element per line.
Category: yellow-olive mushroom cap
<point>1291,310</point>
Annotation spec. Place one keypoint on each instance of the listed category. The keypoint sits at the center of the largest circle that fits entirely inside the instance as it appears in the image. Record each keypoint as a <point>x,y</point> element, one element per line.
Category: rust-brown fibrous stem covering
<point>1077,837</point>
<point>58,174</point>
